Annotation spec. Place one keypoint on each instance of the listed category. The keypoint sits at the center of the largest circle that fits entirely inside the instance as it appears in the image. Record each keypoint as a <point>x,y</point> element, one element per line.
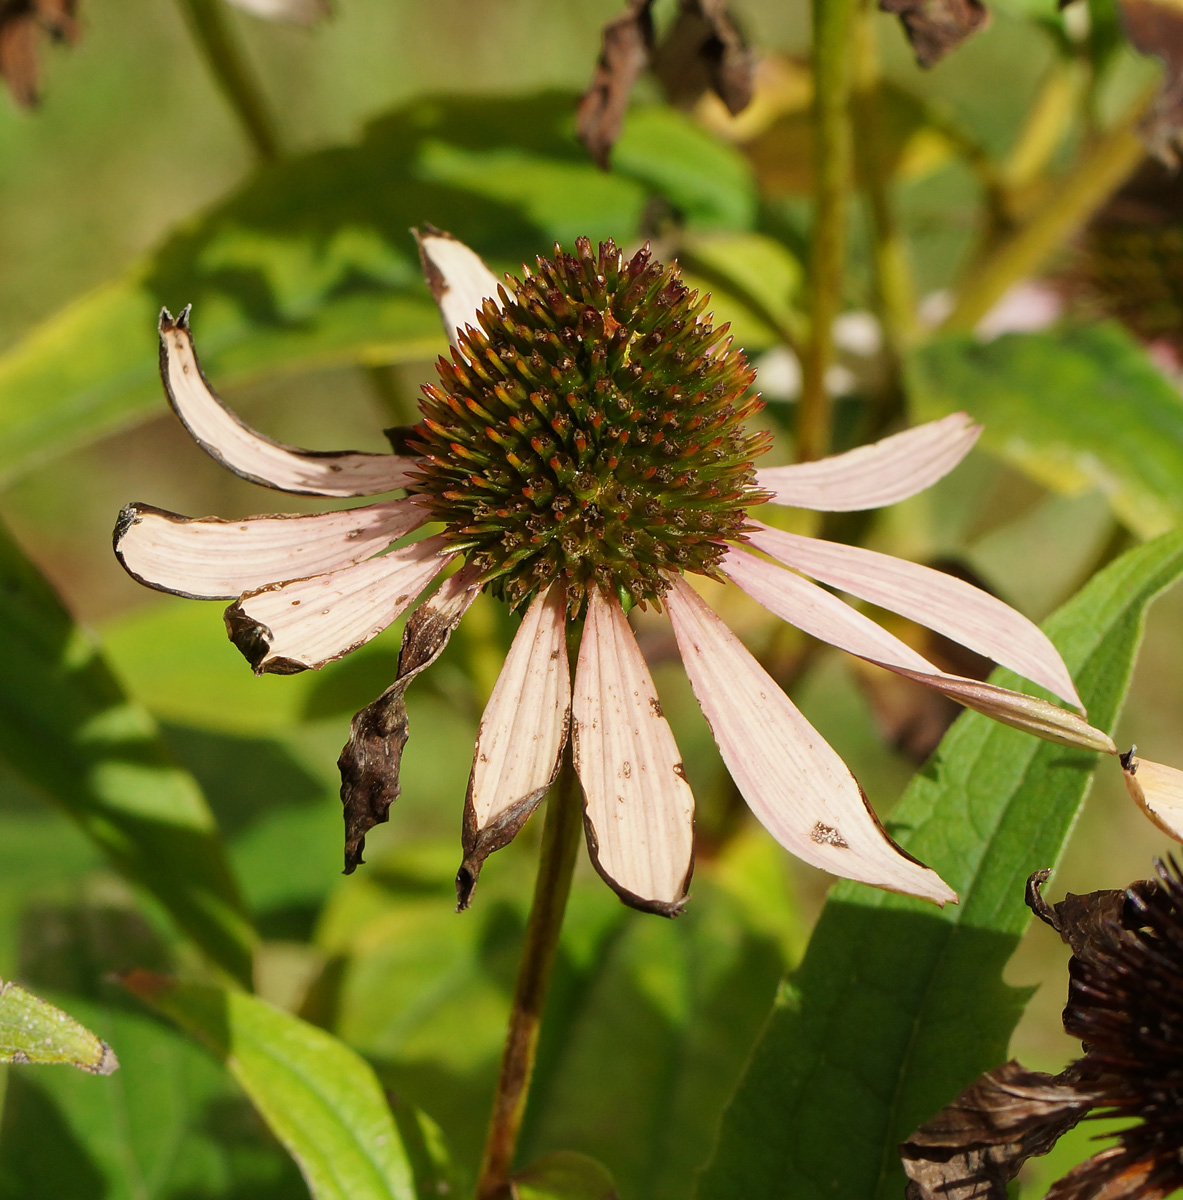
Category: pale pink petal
<point>884,472</point>
<point>950,606</point>
<point>304,624</point>
<point>206,558</point>
<point>822,615</point>
<point>638,807</point>
<point>248,453</point>
<point>522,735</point>
<point>458,278</point>
<point>296,12</point>
<point>795,783</point>
<point>817,612</point>
<point>1158,791</point>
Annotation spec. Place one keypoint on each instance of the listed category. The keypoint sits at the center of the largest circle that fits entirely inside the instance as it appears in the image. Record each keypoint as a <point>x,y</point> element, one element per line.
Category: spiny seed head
<point>591,431</point>
<point>1125,1002</point>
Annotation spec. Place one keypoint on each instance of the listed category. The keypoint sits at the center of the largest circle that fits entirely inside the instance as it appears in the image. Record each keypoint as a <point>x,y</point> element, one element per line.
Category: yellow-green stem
<point>226,59</point>
<point>1110,160</point>
<point>833,30</point>
<point>556,864</point>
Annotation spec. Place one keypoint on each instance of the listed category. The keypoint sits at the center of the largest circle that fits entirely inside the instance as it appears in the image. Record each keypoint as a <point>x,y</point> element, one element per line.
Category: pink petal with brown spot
<point>950,606</point>
<point>206,558</point>
<point>522,735</point>
<point>795,783</point>
<point>884,472</point>
<point>248,453</point>
<point>638,807</point>
<point>460,282</point>
<point>309,622</point>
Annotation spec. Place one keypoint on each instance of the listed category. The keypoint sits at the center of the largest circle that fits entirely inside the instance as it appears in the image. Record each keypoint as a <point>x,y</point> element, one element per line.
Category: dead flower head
<point>584,450</point>
<point>1125,1003</point>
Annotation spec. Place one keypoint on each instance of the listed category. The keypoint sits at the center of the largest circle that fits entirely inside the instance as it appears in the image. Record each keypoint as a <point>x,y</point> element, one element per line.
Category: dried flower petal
<point>1158,791</point>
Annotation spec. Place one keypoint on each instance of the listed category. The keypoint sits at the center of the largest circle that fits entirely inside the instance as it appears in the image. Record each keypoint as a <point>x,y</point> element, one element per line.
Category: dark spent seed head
<point>592,430</point>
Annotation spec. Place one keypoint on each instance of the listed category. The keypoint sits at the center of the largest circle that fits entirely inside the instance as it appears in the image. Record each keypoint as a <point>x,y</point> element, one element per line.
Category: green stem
<point>895,296</point>
<point>1071,201</point>
<point>556,864</point>
<point>226,58</point>
<point>833,29</point>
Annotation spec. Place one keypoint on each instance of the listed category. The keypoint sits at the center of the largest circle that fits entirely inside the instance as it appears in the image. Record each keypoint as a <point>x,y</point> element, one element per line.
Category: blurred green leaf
<point>35,1031</point>
<point>321,1100</point>
<point>1074,407</point>
<point>898,1006</point>
<point>564,1175</point>
<point>68,730</point>
<point>311,262</point>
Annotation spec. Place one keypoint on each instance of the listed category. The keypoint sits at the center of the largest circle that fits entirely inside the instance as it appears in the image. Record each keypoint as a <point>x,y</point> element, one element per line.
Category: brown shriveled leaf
<point>371,759</point>
<point>935,27</point>
<point>704,51</point>
<point>22,24</point>
<point>1090,924</point>
<point>973,1147</point>
<point>625,49</point>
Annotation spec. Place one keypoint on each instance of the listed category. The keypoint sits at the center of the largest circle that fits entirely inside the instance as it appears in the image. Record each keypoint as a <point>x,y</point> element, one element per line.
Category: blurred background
<point>132,186</point>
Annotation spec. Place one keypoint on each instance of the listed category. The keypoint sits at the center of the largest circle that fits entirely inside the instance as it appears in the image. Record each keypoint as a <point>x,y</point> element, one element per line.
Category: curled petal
<point>372,758</point>
<point>521,739</point>
<point>638,807</point>
<point>822,615</point>
<point>1158,791</point>
<point>950,606</point>
<point>248,453</point>
<point>206,558</point>
<point>304,624</point>
<point>795,783</point>
<point>458,278</point>
<point>884,472</point>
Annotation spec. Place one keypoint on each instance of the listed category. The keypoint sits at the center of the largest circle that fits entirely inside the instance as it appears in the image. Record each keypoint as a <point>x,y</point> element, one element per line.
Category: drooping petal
<point>822,615</point>
<point>458,278</point>
<point>882,473</point>
<point>638,807</point>
<point>795,783</point>
<point>372,758</point>
<point>248,453</point>
<point>521,739</point>
<point>309,622</point>
<point>950,606</point>
<point>1157,790</point>
<point>206,558</point>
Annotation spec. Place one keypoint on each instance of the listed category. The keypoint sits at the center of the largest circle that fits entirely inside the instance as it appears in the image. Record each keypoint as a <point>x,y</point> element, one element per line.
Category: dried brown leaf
<point>22,24</point>
<point>1156,28</point>
<point>935,27</point>
<point>626,47</point>
<point>973,1147</point>
<point>372,757</point>
<point>704,51</point>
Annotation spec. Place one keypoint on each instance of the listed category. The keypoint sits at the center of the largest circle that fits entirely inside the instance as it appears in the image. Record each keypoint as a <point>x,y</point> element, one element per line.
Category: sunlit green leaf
<point>564,1175</point>
<point>897,1006</point>
<point>35,1031</point>
<point>311,261</point>
<point>69,731</point>
<point>320,1099</point>
<point>1076,407</point>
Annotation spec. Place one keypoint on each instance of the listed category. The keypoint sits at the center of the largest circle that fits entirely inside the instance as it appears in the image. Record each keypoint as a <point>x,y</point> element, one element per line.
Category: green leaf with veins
<point>35,1031</point>
<point>1104,417</point>
<point>320,1099</point>
<point>69,732</point>
<point>310,262</point>
<point>897,1006</point>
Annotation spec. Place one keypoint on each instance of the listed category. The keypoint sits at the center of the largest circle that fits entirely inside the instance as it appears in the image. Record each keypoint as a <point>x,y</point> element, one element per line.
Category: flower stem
<point>226,59</point>
<point>560,840</point>
<point>1072,200</point>
<point>833,30</point>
